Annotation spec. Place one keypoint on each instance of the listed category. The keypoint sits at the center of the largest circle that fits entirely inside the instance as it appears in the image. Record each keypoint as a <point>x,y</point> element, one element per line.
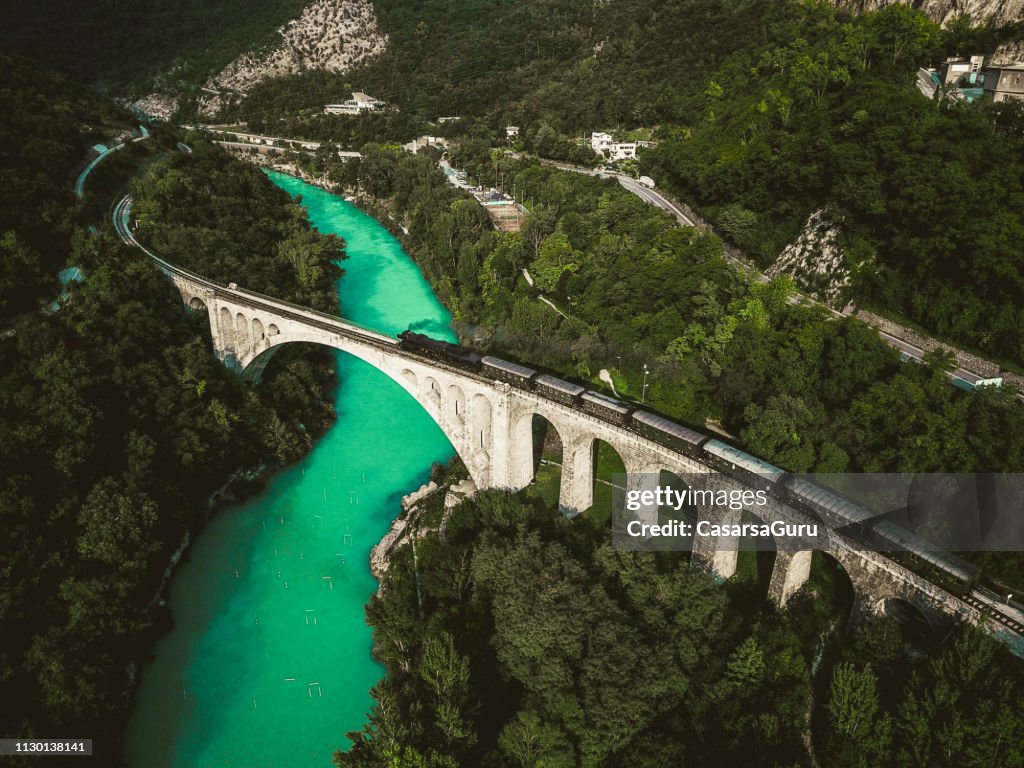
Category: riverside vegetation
<point>117,422</point>
<point>764,112</point>
<point>520,638</point>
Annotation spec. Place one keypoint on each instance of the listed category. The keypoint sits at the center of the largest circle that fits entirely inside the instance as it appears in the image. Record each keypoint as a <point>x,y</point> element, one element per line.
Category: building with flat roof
<point>1005,83</point>
<point>603,144</point>
<point>357,105</point>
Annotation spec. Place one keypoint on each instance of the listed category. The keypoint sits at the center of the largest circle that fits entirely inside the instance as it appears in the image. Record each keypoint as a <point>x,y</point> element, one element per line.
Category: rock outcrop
<point>995,12</point>
<point>330,35</point>
<point>815,260</point>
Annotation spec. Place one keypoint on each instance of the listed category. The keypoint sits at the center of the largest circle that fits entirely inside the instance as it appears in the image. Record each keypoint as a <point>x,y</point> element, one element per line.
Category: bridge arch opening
<point>915,627</point>
<point>456,404</point>
<point>480,423</point>
<point>241,332</point>
<point>537,454</point>
<point>755,558</point>
<point>258,333</point>
<point>227,326</point>
<point>411,380</point>
<point>607,475</point>
<point>197,305</point>
<point>814,583</point>
<point>272,330</point>
<point>667,512</point>
<point>687,513</point>
<point>432,393</point>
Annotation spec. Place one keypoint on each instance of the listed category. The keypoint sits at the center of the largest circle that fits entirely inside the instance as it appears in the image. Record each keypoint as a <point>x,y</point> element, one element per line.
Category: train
<point>838,512</point>
<point>443,351</point>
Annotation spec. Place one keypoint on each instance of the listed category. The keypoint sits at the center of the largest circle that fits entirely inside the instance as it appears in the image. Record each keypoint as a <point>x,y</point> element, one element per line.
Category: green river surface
<point>269,662</point>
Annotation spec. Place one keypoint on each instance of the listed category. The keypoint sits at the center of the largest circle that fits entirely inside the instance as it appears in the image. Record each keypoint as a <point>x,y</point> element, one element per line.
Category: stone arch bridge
<point>490,425</point>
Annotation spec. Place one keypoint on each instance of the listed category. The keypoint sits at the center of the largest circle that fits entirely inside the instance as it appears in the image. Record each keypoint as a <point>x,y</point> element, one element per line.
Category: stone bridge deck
<point>490,425</point>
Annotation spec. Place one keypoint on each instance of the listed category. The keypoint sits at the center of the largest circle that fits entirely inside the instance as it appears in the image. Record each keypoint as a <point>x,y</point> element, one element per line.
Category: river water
<point>269,662</point>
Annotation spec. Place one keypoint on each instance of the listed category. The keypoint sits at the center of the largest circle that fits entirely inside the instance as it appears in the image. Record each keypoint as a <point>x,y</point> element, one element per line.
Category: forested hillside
<point>123,45</point>
<point>798,387</point>
<point>42,143</point>
<point>517,639</point>
<point>119,428</point>
<point>764,112</point>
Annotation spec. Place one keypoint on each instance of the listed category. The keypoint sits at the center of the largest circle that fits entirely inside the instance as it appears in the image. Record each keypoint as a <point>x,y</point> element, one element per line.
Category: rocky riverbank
<point>419,517</point>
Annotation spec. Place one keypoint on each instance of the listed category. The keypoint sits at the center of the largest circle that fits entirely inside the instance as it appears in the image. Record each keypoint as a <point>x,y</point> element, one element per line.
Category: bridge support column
<point>577,491</point>
<point>501,438</point>
<point>718,556</point>
<point>790,572</point>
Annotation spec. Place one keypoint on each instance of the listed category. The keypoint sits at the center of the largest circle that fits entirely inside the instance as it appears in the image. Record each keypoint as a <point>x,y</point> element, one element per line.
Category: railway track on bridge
<point>982,600</point>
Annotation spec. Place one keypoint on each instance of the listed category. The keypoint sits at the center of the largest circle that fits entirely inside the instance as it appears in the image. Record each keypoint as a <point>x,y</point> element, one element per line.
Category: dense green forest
<point>42,144</point>
<point>763,111</point>
<point>119,428</point>
<point>124,45</point>
<point>225,220</point>
<point>513,637</point>
<point>519,639</point>
<point>797,387</point>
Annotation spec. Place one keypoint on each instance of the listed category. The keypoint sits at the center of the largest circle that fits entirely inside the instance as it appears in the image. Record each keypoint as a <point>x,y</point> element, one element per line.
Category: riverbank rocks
<point>411,500</point>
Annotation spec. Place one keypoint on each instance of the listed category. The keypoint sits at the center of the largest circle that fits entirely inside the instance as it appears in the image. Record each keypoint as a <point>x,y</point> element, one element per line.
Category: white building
<point>604,145</point>
<point>357,105</point>
<point>416,145</point>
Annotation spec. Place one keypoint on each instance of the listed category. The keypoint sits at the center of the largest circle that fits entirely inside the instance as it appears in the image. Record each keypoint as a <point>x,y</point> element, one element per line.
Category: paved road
<point>80,181</point>
<point>959,377</point>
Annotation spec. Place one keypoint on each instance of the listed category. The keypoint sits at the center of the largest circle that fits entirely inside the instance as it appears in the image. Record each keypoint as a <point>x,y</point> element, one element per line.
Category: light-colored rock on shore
<point>330,35</point>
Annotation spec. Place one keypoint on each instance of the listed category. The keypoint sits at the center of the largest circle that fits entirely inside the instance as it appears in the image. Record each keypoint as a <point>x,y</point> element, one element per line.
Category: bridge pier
<point>789,574</point>
<point>577,491</point>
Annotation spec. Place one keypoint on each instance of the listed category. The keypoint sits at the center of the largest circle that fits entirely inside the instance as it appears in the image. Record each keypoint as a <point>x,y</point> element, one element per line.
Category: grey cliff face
<point>995,12</point>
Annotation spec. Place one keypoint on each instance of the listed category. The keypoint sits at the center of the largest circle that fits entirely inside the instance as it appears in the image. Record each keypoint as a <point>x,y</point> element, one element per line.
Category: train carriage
<point>607,408</point>
<point>559,390</point>
<point>733,459</point>
<point>509,372</point>
<point>667,433</point>
<point>950,571</point>
<point>830,507</point>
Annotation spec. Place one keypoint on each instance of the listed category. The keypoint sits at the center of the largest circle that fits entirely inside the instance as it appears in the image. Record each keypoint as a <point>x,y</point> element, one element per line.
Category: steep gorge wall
<point>997,12</point>
<point>331,35</point>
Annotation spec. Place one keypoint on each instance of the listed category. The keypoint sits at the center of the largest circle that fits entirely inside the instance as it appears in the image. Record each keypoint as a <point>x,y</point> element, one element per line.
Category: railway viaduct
<point>490,425</point>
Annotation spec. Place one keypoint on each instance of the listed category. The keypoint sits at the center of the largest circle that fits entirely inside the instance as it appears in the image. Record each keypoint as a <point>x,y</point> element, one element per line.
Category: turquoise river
<point>269,662</point>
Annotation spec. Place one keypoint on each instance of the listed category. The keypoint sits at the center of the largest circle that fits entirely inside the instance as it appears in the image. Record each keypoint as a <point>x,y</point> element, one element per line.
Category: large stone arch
<point>579,467</point>
<point>793,570</point>
<point>721,555</point>
<point>426,390</point>
<point>915,623</point>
